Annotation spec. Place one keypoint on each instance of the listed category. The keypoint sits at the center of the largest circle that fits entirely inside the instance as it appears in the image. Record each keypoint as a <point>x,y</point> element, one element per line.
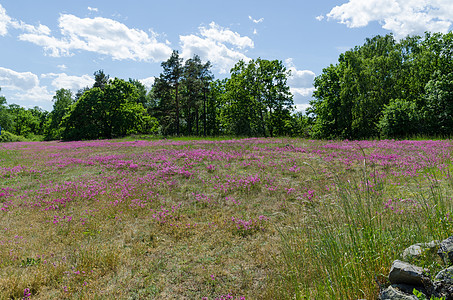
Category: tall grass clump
<point>344,247</point>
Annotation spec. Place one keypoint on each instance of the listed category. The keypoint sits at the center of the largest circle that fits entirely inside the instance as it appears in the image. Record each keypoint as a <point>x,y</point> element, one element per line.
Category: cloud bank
<point>402,17</point>
<point>221,46</point>
<point>301,84</point>
<point>100,35</point>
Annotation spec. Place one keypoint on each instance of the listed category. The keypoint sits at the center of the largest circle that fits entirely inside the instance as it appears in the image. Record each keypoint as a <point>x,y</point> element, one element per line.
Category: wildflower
<point>27,293</point>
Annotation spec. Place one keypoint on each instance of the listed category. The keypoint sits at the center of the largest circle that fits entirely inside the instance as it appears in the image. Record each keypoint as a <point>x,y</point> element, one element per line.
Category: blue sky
<point>47,45</point>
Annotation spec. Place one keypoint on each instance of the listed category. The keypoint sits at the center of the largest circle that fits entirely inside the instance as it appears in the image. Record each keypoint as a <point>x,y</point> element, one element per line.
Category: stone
<point>446,250</point>
<point>443,285</point>
<point>409,289</point>
<point>392,293</point>
<point>412,251</point>
<point>405,273</point>
<point>416,250</point>
<point>443,290</point>
<point>445,275</point>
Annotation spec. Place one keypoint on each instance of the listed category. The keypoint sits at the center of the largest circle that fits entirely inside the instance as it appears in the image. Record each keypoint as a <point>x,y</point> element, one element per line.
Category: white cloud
<point>301,78</point>
<point>62,67</point>
<point>320,18</point>
<point>256,21</point>
<point>64,81</point>
<point>300,83</point>
<point>23,87</point>
<point>302,92</point>
<point>224,35</point>
<point>37,94</point>
<point>221,46</point>
<point>402,17</point>
<point>4,21</point>
<point>17,80</point>
<point>148,82</point>
<point>93,9</point>
<point>40,29</point>
<point>100,35</point>
<point>302,107</point>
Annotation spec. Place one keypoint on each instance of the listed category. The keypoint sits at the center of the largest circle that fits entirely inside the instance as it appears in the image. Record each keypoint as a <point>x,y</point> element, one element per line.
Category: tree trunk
<point>271,128</point>
<point>177,109</point>
<point>204,112</point>
<point>197,120</point>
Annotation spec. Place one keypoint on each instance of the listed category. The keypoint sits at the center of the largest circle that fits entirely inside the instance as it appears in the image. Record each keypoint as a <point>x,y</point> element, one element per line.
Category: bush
<point>399,119</point>
<point>9,137</point>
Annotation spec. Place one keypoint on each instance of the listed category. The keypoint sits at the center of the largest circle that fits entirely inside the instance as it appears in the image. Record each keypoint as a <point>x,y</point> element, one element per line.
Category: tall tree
<point>106,113</point>
<point>258,99</point>
<point>387,87</point>
<point>61,103</point>
<point>215,102</point>
<point>24,123</point>
<point>6,121</point>
<point>141,90</point>
<point>275,96</point>
<point>438,112</point>
<point>195,82</point>
<point>100,79</point>
<point>167,89</point>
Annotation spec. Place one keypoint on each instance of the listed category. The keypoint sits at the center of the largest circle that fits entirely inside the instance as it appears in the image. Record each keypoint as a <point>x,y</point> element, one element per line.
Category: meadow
<point>274,218</point>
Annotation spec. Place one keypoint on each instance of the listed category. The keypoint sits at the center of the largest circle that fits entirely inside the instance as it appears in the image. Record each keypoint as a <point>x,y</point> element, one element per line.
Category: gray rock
<point>416,250</point>
<point>445,275</point>
<point>409,289</point>
<point>443,290</point>
<point>392,293</point>
<point>446,250</point>
<point>405,273</point>
<point>412,251</point>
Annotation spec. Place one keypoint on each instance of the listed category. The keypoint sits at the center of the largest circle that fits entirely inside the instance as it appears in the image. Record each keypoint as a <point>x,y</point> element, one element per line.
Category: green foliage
<point>9,137</point>
<point>6,120</point>
<point>299,125</point>
<point>422,296</point>
<point>439,104</point>
<point>257,99</point>
<point>62,101</point>
<point>366,93</point>
<point>100,79</point>
<point>195,86</point>
<point>24,122</point>
<point>399,119</point>
<point>166,89</point>
<point>113,111</point>
<point>28,262</point>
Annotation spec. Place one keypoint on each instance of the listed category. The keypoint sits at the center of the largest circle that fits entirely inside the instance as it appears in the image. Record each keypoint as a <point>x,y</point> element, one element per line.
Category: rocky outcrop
<point>404,277</point>
<point>446,250</point>
<point>396,294</point>
<point>405,273</point>
<point>417,250</point>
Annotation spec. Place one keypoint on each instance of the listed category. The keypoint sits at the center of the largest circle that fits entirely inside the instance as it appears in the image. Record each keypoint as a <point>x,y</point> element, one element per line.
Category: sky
<point>47,45</point>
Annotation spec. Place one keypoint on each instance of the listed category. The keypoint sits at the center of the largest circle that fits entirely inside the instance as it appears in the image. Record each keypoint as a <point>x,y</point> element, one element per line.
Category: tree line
<point>387,89</point>
<point>185,99</point>
<point>382,89</point>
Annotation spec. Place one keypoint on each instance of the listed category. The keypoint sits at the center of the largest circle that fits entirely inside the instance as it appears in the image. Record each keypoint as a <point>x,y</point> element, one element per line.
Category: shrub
<point>400,118</point>
<point>9,137</point>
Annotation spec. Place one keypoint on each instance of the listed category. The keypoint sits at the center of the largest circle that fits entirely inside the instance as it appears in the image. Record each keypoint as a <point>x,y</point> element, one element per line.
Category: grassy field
<point>216,219</point>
